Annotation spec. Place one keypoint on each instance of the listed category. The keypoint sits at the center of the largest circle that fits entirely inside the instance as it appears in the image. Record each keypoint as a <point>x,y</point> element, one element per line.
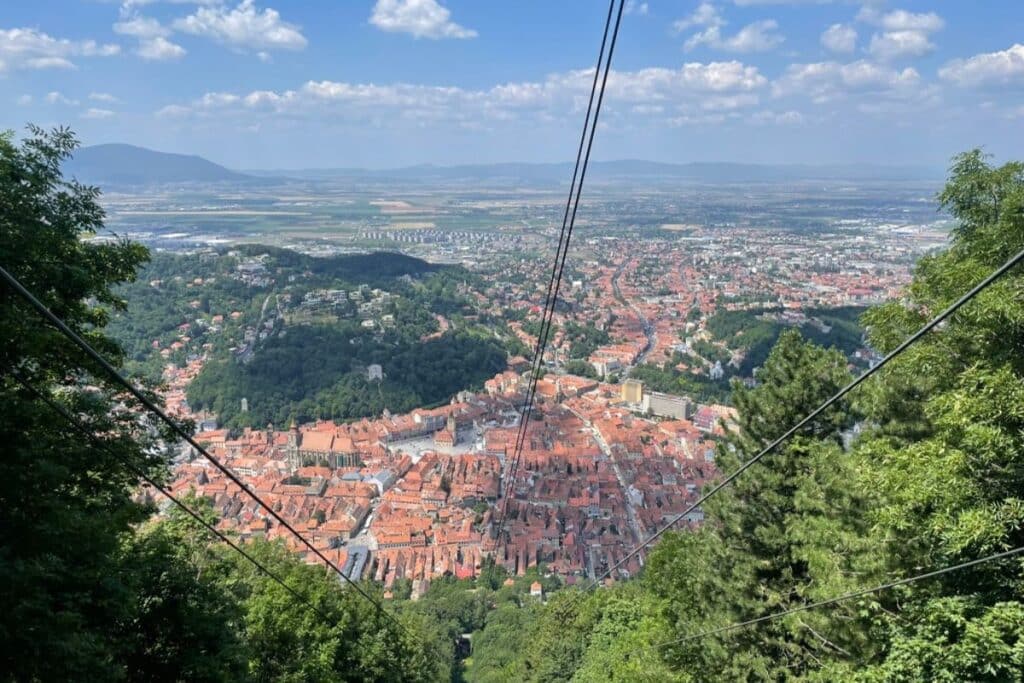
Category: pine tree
<point>783,533</point>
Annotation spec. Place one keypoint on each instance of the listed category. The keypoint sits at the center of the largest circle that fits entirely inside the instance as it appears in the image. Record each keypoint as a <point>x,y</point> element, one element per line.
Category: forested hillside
<point>321,373</point>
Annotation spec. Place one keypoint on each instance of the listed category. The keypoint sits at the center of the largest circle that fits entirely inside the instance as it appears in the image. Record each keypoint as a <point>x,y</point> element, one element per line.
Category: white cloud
<point>245,26</point>
<point>24,100</point>
<point>759,36</point>
<point>55,97</point>
<point>419,18</point>
<point>102,97</point>
<point>897,44</point>
<point>656,91</point>
<point>159,49</point>
<point>26,48</point>
<point>173,111</point>
<point>140,27</point>
<point>634,7</point>
<point>839,38</point>
<point>704,15</point>
<point>902,20</point>
<point>986,69</point>
<point>904,34</point>
<point>94,113</point>
<point>827,81</point>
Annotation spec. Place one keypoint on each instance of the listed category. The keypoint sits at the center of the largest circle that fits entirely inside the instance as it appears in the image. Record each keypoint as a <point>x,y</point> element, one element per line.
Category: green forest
<point>175,289</point>
<point>319,373</point>
<point>921,468</point>
<point>748,332</point>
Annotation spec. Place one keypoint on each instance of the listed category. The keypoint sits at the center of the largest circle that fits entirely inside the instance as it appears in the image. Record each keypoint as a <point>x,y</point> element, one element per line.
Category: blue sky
<point>379,83</point>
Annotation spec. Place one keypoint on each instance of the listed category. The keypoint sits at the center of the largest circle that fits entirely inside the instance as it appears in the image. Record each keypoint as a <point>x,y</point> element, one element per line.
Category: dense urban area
<point>375,399</point>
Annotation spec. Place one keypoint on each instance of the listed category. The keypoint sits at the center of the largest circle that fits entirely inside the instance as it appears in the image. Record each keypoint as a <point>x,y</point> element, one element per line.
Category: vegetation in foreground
<point>96,589</point>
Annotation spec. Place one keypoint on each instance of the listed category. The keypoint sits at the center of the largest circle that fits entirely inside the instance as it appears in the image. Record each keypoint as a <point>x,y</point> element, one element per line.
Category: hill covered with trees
<point>320,373</point>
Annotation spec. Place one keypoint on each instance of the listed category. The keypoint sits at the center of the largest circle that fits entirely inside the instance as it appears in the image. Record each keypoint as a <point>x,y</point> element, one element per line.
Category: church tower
<point>292,447</point>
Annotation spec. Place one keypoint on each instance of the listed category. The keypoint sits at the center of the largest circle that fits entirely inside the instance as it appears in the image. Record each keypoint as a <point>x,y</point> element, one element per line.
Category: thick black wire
<point>830,601</point>
<point>89,434</point>
<point>928,327</point>
<point>538,354</point>
<point>176,428</point>
<point>565,251</point>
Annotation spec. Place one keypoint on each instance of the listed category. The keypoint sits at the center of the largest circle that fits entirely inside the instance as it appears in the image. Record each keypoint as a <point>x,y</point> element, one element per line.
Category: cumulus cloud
<point>140,27</point>
<point>159,49</point>
<point>659,92</point>
<point>902,20</point>
<point>903,34</point>
<point>758,36</point>
<point>26,48</point>
<point>896,44</point>
<point>704,15</point>
<point>153,44</point>
<point>102,97</point>
<point>827,81</point>
<point>418,18</point>
<point>987,69</point>
<point>173,111</point>
<point>24,100</point>
<point>244,27</point>
<point>839,38</point>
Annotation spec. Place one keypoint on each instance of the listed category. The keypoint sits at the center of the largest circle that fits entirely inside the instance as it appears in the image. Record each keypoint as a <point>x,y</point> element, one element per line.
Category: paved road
<point>652,338</point>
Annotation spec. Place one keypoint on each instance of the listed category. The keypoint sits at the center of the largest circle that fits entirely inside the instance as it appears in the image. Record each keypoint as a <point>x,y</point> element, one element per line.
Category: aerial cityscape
<point>401,340</point>
<point>646,336</point>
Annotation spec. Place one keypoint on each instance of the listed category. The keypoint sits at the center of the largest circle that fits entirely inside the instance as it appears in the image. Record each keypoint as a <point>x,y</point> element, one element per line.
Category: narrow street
<point>634,524</point>
<point>649,332</point>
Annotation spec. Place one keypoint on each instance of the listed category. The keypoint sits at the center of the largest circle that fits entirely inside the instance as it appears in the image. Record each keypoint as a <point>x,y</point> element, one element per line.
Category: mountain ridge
<point>124,164</point>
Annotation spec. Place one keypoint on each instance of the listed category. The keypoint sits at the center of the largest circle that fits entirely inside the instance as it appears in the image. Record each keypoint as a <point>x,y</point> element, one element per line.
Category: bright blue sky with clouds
<point>377,83</point>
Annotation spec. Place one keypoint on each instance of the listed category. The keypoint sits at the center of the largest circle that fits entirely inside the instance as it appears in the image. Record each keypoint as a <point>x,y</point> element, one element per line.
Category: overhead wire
<point>153,408</point>
<point>538,356</point>
<point>912,339</point>
<point>558,268</point>
<point>78,425</point>
<point>830,601</point>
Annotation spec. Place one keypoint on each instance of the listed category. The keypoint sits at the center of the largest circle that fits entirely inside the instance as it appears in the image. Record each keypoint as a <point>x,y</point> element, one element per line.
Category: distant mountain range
<point>710,172</point>
<point>120,164</point>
